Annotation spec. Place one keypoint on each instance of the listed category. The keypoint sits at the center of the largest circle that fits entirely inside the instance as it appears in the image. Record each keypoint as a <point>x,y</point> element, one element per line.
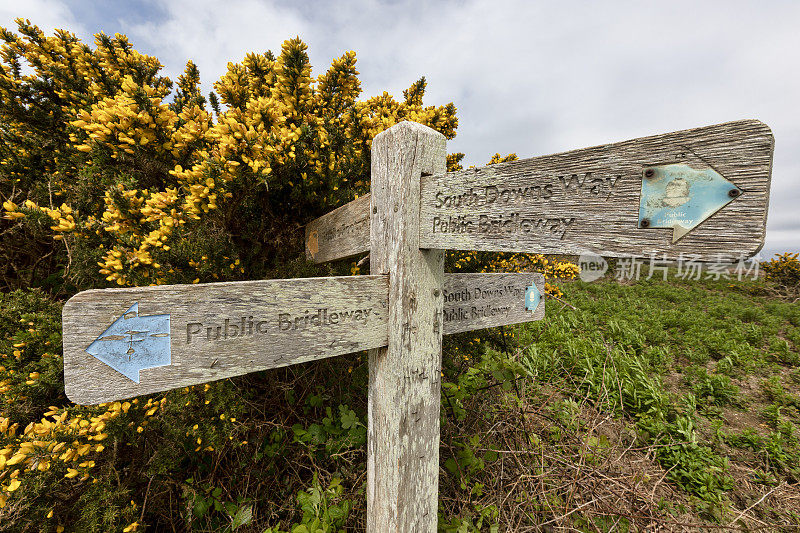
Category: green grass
<point>685,363</point>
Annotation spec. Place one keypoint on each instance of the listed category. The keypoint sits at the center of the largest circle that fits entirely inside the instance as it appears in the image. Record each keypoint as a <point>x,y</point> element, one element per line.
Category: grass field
<point>642,405</point>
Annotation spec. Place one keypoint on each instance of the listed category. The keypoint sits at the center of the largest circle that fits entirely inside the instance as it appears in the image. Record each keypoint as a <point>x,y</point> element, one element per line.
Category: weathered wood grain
<point>342,233</point>
<point>477,301</point>
<point>588,200</point>
<point>404,377</point>
<point>204,349</point>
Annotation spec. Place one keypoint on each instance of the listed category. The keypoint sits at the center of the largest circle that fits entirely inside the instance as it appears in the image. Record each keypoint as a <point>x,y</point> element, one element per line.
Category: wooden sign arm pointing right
<point>701,194</point>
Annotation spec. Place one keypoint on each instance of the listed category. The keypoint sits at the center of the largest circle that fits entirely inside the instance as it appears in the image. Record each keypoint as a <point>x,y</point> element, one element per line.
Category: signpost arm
<point>404,377</point>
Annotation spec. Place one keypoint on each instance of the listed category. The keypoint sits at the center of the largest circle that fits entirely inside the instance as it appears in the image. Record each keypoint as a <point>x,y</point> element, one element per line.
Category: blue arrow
<point>133,343</point>
<point>532,298</point>
<point>680,197</point>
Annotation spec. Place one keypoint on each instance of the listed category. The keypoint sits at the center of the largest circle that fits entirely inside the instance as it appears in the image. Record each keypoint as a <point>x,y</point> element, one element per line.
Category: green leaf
<point>201,507</point>
<point>243,516</point>
<point>349,419</point>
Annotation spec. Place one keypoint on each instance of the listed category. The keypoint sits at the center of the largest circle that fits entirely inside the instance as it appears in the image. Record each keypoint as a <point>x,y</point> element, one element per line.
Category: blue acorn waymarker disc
<point>532,298</point>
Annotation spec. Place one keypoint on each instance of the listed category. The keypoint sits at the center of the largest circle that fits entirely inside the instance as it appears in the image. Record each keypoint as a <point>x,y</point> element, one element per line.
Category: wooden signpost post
<point>700,192</point>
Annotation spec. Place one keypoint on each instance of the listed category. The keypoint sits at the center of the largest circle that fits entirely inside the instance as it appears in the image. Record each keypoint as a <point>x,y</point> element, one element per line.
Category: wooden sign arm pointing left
<point>213,331</point>
<point>342,233</point>
<point>120,343</point>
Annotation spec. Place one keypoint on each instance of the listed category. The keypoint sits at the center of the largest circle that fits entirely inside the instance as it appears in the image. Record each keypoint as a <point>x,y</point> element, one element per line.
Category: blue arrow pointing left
<point>133,343</point>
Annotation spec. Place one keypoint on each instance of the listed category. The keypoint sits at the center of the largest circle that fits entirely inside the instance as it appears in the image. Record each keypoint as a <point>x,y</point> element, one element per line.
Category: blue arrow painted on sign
<point>680,197</point>
<point>532,298</point>
<point>133,343</point>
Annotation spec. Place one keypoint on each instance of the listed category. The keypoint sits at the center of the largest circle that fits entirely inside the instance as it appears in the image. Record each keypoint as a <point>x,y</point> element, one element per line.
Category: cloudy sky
<point>531,77</point>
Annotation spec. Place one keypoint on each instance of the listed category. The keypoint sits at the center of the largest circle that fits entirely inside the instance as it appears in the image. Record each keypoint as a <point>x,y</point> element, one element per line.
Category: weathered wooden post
<point>404,387</point>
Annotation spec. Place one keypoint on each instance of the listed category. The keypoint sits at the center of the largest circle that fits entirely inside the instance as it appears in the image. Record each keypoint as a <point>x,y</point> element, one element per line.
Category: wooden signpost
<point>700,192</point>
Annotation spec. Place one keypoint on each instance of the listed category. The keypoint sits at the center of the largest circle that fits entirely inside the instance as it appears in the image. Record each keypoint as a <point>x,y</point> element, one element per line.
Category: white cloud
<point>213,33</point>
<point>47,14</point>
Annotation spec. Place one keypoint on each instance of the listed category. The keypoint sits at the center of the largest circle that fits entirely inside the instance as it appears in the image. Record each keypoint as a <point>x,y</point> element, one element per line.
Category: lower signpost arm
<point>404,377</point>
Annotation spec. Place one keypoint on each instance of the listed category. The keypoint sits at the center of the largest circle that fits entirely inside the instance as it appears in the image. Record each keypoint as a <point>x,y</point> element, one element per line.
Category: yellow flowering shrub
<point>783,273</point>
<point>112,173</point>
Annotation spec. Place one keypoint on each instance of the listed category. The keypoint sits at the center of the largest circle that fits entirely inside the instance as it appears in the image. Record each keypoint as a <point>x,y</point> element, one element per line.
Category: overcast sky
<point>527,77</point>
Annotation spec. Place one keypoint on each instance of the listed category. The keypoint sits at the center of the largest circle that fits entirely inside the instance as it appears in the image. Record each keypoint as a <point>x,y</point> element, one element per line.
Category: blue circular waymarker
<point>532,298</point>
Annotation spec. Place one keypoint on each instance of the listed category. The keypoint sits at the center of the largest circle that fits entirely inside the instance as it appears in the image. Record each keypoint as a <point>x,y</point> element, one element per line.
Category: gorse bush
<point>145,184</point>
